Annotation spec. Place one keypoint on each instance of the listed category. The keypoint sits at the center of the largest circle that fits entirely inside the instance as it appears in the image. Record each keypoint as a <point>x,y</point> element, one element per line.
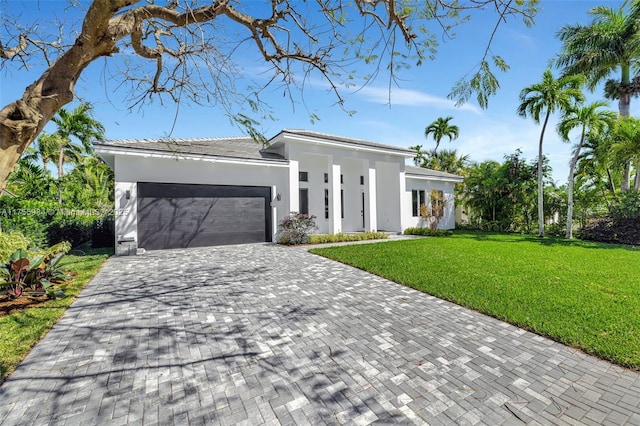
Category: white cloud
<point>397,96</point>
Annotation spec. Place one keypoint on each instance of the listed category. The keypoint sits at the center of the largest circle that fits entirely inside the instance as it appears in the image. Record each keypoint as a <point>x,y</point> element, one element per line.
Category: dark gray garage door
<point>180,215</point>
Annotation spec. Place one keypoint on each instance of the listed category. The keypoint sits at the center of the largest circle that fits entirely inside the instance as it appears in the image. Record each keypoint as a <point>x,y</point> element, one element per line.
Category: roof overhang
<point>284,137</point>
<point>457,179</point>
<point>108,153</point>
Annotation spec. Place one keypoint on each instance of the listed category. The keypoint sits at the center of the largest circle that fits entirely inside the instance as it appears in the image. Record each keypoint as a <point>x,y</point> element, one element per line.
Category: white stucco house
<point>199,192</point>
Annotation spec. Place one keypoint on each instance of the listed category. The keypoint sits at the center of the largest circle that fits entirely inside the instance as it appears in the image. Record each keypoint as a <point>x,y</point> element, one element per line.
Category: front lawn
<point>585,295</point>
<point>20,331</point>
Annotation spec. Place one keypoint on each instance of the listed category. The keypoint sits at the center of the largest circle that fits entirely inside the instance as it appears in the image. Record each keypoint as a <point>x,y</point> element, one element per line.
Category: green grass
<point>585,295</point>
<point>20,331</point>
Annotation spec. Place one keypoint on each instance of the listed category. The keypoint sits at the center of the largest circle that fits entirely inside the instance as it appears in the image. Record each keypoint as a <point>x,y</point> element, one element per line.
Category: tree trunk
<point>612,186</point>
<point>22,121</point>
<point>624,106</point>
<point>636,184</point>
<point>572,168</point>
<point>626,177</point>
<point>540,181</point>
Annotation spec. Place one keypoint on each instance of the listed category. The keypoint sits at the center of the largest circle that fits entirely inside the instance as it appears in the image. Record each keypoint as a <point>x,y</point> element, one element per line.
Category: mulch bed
<point>10,306</point>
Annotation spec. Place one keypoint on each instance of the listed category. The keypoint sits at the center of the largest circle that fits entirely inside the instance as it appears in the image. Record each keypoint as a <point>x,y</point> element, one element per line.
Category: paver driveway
<point>259,333</point>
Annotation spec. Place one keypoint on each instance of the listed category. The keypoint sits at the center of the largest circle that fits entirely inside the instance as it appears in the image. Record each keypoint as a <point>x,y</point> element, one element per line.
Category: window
<point>303,176</point>
<point>417,200</point>
<point>437,203</point>
<point>341,178</point>
<point>361,180</point>
<point>326,178</point>
<point>304,201</point>
<point>342,203</point>
<point>326,203</point>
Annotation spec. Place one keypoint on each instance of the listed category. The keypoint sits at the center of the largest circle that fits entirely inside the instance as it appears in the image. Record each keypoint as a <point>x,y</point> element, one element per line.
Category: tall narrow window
<point>326,203</point>
<point>304,200</point>
<point>361,180</point>
<point>341,178</point>
<point>417,199</point>
<point>303,176</point>
<point>342,203</point>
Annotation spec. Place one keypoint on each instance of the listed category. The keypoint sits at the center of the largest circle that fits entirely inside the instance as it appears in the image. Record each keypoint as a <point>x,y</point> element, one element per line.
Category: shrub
<point>75,229</point>
<point>428,232</point>
<point>10,242</point>
<point>340,237</point>
<point>33,229</point>
<point>296,228</point>
<point>609,230</point>
<point>555,230</point>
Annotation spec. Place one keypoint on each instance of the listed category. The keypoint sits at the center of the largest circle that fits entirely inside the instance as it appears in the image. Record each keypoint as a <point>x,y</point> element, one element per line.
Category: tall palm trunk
<point>540,180</point>
<point>572,169</point>
<point>624,107</point>
<point>636,184</point>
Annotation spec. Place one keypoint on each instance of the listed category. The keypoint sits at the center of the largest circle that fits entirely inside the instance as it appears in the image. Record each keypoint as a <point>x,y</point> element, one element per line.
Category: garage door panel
<point>183,221</point>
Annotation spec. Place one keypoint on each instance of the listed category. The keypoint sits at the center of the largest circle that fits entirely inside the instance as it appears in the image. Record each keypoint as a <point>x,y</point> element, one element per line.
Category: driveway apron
<point>263,334</point>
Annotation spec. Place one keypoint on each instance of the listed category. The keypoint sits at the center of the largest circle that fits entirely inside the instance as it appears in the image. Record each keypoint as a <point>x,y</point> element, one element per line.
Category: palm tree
<point>421,156</point>
<point>45,149</point>
<point>596,162</point>
<point>591,120</point>
<point>609,43</point>
<point>79,124</point>
<point>449,161</point>
<point>626,144</point>
<point>441,128</point>
<point>548,96</point>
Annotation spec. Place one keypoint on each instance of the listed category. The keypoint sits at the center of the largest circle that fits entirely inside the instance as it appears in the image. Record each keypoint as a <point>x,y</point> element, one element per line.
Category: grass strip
<point>20,331</point>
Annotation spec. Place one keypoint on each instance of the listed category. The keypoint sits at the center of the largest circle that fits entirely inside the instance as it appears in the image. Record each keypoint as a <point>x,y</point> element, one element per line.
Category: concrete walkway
<point>262,334</point>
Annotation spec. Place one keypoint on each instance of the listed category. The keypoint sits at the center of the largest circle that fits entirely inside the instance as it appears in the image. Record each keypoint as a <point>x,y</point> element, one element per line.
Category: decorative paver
<point>264,334</point>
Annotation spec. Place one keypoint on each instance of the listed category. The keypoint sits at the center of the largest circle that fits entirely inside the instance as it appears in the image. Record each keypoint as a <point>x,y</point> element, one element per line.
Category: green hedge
<point>428,232</point>
<point>340,237</point>
<point>46,223</point>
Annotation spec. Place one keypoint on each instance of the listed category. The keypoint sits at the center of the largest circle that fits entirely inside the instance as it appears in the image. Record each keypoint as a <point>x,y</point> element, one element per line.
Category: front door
<point>362,213</point>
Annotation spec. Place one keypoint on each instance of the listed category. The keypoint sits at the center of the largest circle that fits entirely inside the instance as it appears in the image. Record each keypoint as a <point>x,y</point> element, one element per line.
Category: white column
<point>335,207</point>
<point>274,212</point>
<point>371,202</point>
<point>402,205</point>
<point>294,187</point>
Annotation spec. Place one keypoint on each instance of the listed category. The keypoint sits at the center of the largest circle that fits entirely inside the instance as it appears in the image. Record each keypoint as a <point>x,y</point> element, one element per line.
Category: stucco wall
<point>448,220</point>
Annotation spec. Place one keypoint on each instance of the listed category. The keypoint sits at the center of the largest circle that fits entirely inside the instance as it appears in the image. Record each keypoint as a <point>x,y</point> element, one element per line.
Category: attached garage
<point>186,215</point>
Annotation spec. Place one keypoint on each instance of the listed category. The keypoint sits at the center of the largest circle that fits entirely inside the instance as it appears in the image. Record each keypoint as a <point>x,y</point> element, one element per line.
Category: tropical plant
<point>46,149</point>
<point>439,129</point>
<point>546,97</point>
<point>29,180</point>
<point>626,145</point>
<point>89,184</point>
<point>502,196</point>
<point>590,120</point>
<point>421,156</point>
<point>611,42</point>
<point>448,160</point>
<point>33,272</point>
<point>10,242</point>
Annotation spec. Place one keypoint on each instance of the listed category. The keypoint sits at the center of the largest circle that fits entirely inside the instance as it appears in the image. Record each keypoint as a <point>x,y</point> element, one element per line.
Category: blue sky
<point>418,99</point>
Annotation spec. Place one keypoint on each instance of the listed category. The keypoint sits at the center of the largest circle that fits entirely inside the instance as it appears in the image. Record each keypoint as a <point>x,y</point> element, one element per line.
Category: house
<point>199,192</point>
